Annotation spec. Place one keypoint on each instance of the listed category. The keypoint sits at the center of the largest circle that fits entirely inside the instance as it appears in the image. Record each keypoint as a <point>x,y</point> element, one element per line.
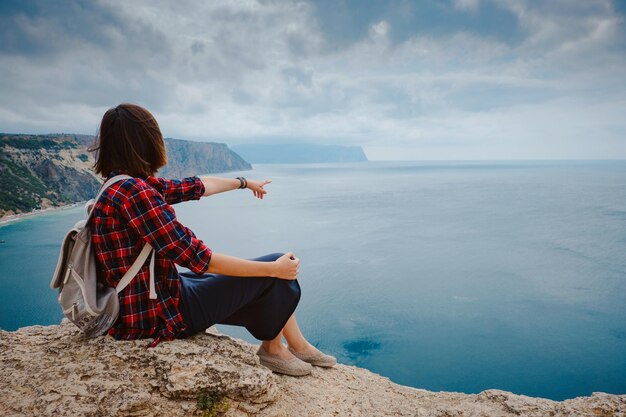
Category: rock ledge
<point>54,371</point>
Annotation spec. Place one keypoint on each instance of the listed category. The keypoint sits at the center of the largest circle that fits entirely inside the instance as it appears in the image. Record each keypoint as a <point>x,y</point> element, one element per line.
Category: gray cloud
<point>272,70</point>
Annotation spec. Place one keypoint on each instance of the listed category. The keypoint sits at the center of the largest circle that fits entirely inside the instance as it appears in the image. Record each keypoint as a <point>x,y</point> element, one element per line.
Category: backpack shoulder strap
<point>107,184</point>
<point>143,255</point>
<point>110,182</point>
<point>134,269</point>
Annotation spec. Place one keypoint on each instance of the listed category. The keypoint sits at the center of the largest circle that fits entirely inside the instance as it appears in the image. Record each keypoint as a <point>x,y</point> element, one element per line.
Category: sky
<point>406,80</point>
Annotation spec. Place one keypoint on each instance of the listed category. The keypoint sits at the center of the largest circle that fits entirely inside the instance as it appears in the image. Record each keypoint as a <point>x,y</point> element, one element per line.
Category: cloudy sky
<point>429,79</point>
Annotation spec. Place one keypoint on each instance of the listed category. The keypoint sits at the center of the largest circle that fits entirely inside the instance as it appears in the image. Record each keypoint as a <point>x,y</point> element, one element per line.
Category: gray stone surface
<point>54,371</point>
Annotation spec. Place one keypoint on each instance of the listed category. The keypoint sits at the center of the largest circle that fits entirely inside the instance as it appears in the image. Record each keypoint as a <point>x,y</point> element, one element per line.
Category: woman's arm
<point>285,267</point>
<point>215,185</point>
<point>149,215</point>
<point>177,190</point>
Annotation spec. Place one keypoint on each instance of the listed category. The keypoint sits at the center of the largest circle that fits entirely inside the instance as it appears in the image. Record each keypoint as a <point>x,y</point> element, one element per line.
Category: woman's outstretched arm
<point>285,267</point>
<point>215,185</point>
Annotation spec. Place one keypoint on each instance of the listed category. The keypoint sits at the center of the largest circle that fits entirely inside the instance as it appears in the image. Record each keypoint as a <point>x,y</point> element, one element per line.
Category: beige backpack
<point>88,303</point>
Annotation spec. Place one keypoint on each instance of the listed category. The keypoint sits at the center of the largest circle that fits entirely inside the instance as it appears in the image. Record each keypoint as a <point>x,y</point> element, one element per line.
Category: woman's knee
<point>293,290</point>
<point>269,258</point>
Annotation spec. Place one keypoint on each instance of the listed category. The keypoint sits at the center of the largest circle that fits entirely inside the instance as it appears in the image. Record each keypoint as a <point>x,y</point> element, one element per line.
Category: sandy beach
<point>5,220</point>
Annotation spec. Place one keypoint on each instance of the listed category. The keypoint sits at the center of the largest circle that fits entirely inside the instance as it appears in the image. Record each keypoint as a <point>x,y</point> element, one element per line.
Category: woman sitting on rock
<point>259,294</point>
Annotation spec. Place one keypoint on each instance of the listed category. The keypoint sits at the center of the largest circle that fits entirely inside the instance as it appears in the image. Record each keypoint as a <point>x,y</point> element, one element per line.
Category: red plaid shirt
<point>130,213</point>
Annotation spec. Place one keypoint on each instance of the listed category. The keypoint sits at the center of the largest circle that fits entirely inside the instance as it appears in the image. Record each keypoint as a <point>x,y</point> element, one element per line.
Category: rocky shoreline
<point>55,371</point>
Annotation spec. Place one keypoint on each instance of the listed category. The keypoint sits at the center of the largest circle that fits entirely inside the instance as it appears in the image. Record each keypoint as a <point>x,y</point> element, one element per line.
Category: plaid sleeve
<point>155,221</point>
<point>178,190</point>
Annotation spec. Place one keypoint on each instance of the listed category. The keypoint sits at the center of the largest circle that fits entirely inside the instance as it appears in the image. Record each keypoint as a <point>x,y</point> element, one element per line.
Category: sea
<point>446,276</point>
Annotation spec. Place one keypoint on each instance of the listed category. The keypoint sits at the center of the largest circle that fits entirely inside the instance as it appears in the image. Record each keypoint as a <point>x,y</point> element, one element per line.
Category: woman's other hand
<point>286,267</point>
<point>257,187</point>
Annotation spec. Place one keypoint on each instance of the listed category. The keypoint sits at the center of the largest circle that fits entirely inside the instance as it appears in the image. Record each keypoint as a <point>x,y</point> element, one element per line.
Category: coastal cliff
<point>44,171</point>
<point>55,371</point>
<point>186,158</point>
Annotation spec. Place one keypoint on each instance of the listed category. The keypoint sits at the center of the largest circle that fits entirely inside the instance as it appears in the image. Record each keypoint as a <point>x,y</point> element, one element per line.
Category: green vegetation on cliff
<point>18,187</point>
<point>40,171</point>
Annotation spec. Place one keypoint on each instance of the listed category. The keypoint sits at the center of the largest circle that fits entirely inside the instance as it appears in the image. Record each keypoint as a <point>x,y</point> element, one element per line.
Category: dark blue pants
<point>260,304</point>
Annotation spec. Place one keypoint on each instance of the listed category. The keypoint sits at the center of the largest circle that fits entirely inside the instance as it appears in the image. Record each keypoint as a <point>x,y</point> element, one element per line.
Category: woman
<point>260,294</point>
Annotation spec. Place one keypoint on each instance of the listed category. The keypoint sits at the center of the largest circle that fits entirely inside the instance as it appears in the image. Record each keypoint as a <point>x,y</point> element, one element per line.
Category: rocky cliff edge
<point>54,371</point>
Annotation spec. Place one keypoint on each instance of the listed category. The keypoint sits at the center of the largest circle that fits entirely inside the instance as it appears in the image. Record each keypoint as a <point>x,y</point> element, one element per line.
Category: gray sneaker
<point>293,366</point>
<point>317,359</point>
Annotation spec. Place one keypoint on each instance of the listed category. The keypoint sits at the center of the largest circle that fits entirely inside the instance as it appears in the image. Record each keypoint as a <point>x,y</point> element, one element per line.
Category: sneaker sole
<point>325,361</point>
<point>285,370</point>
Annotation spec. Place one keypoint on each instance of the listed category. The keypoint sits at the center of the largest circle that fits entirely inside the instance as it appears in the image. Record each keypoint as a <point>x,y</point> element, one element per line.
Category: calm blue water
<point>458,276</point>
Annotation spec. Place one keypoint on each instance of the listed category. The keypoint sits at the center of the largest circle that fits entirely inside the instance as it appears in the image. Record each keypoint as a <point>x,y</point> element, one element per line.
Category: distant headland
<point>298,153</point>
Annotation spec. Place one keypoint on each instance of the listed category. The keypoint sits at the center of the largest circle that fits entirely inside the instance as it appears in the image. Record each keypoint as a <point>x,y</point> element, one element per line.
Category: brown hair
<point>129,140</point>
